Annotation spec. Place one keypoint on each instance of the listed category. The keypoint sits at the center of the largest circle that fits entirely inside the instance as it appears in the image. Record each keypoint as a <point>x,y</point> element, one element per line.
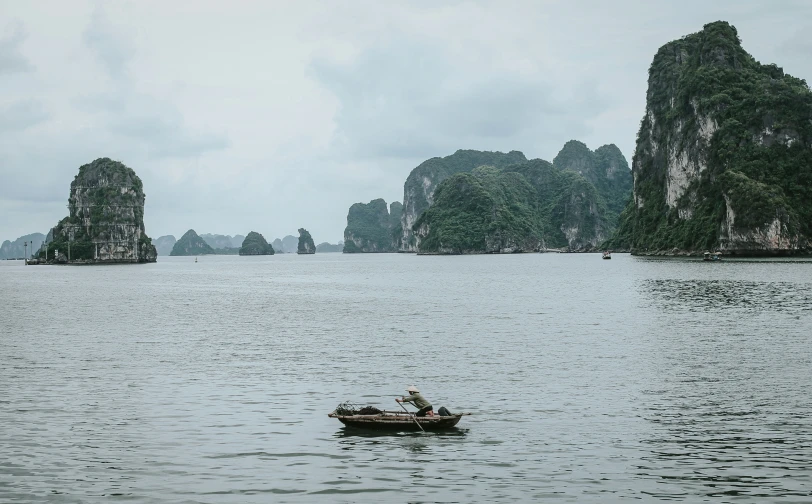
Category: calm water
<point>589,380</point>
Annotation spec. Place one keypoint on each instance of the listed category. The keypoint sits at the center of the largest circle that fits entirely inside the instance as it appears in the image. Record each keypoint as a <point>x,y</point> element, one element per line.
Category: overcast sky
<point>270,116</point>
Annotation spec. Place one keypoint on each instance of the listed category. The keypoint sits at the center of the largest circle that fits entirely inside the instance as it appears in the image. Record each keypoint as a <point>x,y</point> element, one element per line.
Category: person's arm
<point>406,399</point>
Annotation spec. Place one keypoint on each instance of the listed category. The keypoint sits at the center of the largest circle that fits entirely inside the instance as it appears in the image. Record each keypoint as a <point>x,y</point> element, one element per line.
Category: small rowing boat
<point>398,420</point>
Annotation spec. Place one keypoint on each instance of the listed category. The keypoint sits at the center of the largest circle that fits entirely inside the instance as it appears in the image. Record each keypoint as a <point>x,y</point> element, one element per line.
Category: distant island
<point>329,247</point>
<point>23,247</point>
<point>306,245</point>
<point>724,154</point>
<point>217,241</point>
<point>474,202</point>
<point>287,245</point>
<point>371,227</point>
<point>164,244</point>
<point>106,219</point>
<point>190,244</point>
<point>418,190</point>
<point>530,206</point>
<point>255,244</point>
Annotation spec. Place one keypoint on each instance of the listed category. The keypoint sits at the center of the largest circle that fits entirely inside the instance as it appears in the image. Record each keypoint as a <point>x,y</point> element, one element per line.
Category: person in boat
<point>419,401</point>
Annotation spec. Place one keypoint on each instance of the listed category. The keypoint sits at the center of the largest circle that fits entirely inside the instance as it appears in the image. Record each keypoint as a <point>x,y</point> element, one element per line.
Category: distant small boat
<point>607,255</point>
<point>716,256</point>
<point>398,420</point>
<point>195,259</point>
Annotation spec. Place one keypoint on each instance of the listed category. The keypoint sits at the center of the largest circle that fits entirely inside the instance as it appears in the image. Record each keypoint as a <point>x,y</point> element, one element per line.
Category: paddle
<point>413,418</point>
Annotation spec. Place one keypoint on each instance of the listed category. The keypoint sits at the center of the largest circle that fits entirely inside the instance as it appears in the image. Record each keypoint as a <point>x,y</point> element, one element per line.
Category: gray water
<point>588,380</point>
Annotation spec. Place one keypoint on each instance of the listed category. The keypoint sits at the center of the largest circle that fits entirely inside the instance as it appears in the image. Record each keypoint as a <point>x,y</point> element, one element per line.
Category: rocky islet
<point>106,218</point>
<point>724,153</point>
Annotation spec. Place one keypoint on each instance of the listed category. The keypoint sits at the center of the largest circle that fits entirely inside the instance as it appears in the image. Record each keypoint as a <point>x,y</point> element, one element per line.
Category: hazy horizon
<point>272,116</point>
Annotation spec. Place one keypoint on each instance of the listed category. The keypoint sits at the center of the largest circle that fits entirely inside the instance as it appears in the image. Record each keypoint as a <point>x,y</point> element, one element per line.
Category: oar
<point>413,418</point>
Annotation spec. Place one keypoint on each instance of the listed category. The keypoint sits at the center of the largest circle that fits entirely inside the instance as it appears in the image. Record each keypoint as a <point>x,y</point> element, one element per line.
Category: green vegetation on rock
<point>255,244</point>
<point>106,217</point>
<point>306,245</point>
<point>518,208</point>
<point>190,244</point>
<point>418,191</point>
<point>724,153</point>
<point>605,168</point>
<point>373,228</point>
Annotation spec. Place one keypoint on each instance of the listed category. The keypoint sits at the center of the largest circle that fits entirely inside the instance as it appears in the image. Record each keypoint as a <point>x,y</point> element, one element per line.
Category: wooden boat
<point>398,420</point>
<point>607,255</point>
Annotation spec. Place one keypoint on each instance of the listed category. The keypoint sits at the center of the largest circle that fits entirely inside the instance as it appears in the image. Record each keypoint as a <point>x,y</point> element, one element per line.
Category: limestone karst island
<point>106,220</point>
<point>724,153</point>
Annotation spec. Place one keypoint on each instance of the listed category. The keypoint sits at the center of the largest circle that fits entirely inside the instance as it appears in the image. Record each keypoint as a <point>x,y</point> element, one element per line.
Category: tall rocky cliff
<point>191,244</point>
<point>724,153</point>
<point>373,228</point>
<point>306,245</point>
<point>418,191</point>
<point>106,220</point>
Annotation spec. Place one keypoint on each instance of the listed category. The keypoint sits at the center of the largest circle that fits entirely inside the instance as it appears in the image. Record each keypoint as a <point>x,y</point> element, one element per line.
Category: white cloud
<point>12,59</point>
<point>21,115</point>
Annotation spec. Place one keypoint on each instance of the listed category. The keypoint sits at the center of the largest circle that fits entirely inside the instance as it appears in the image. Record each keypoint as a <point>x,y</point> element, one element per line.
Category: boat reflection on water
<point>355,432</point>
<point>416,442</point>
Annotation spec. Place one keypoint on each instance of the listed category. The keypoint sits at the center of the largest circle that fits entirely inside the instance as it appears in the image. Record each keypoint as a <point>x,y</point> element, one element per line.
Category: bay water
<point>588,380</point>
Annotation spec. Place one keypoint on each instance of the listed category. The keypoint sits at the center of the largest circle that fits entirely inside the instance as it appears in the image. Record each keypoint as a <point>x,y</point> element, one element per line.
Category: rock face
<point>418,191</point>
<point>373,228</point>
<point>724,153</point>
<point>164,244</point>
<point>520,208</point>
<point>190,244</point>
<point>18,249</point>
<point>106,221</point>
<point>306,245</point>
<point>605,168</point>
<point>255,244</point>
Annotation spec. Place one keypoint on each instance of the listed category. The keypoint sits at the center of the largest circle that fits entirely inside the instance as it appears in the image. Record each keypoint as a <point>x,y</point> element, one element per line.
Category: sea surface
<point>588,380</point>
